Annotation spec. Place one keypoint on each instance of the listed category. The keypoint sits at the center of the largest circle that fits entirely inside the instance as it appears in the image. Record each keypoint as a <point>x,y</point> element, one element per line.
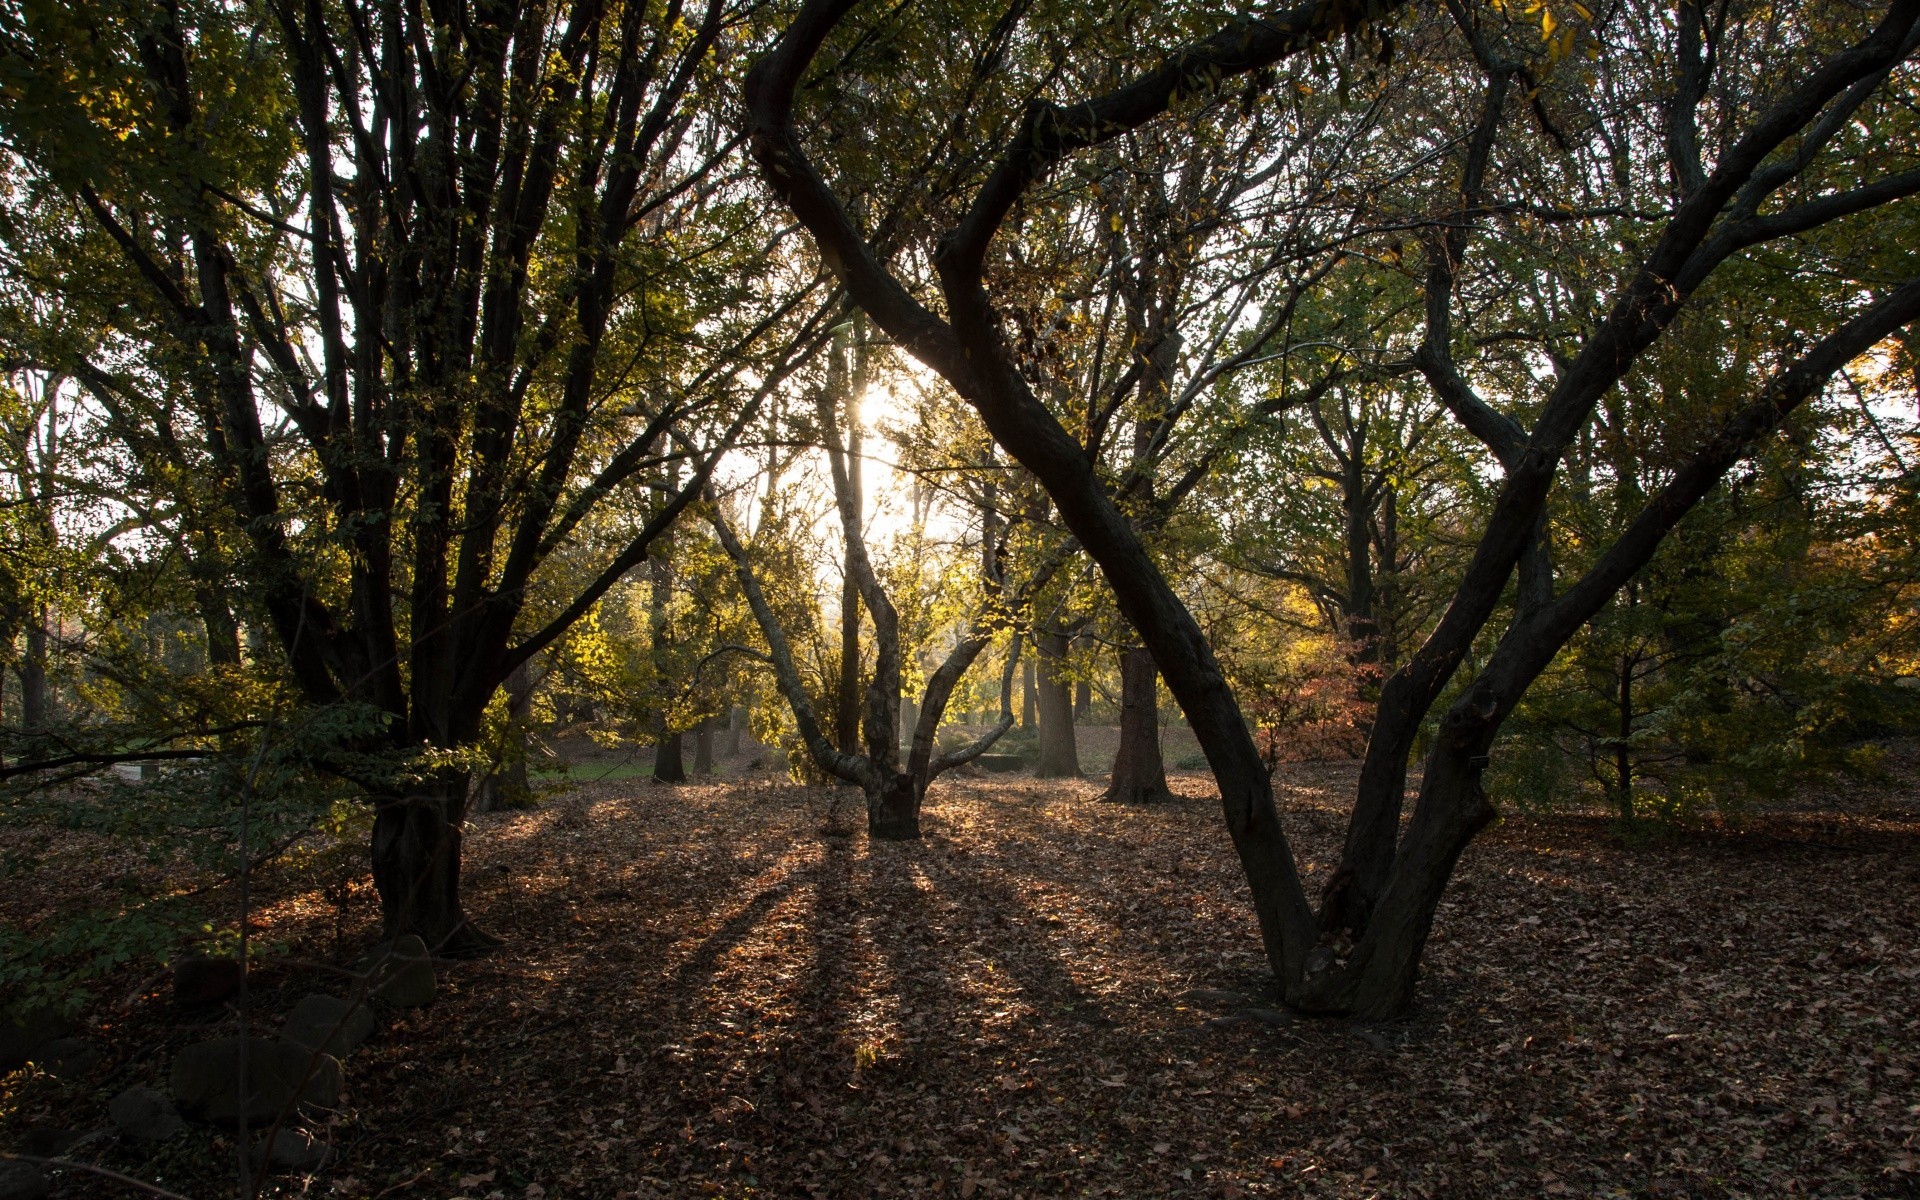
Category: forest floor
<point>709,990</point>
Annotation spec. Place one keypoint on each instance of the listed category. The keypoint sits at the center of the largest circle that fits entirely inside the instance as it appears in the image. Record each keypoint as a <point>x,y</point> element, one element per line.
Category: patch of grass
<point>591,773</point>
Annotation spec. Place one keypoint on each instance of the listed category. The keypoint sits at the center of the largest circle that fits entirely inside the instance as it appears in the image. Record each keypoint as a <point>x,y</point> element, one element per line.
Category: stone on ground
<point>401,972</point>
<point>27,1032</point>
<point>145,1114</point>
<point>68,1057</point>
<point>201,980</point>
<point>207,1085</point>
<point>292,1148</point>
<point>329,1024</point>
<point>21,1181</point>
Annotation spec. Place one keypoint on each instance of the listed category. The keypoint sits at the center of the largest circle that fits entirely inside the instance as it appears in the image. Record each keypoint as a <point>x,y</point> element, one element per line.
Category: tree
<point>894,791</point>
<point>1788,104</point>
<point>429,285</point>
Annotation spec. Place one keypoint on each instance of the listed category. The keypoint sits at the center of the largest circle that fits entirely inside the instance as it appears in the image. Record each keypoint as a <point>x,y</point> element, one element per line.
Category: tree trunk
<point>1059,753</point>
<point>1139,775</point>
<point>222,631</point>
<point>1029,695</point>
<point>669,765</point>
<point>703,749</point>
<point>736,722</point>
<point>848,378</point>
<point>33,676</point>
<point>416,866</point>
<point>909,718</point>
<point>508,786</point>
<point>1623,742</point>
<point>893,809</point>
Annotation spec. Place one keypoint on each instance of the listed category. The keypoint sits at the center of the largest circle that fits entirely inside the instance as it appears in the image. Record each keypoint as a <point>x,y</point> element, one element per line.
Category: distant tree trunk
<point>669,764</point>
<point>1387,592</point>
<point>508,787</point>
<point>1623,741</point>
<point>736,722</point>
<point>1059,753</point>
<point>703,749</point>
<point>222,631</point>
<point>909,716</point>
<point>1139,775</point>
<point>33,676</point>
<point>1029,695</point>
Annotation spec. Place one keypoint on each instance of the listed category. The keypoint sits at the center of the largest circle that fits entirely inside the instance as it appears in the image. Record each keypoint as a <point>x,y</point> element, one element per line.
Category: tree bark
<point>847,696</point>
<point>416,866</point>
<point>1029,695</point>
<point>1139,774</point>
<point>508,787</point>
<point>32,670</point>
<point>703,749</point>
<point>1059,751</point>
<point>669,763</point>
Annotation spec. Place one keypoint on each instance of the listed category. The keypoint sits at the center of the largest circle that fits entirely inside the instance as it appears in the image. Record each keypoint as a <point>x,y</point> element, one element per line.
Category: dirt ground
<point>706,991</point>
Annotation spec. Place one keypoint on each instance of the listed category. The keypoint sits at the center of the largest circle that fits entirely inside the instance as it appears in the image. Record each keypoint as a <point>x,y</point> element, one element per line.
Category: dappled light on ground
<point>711,990</point>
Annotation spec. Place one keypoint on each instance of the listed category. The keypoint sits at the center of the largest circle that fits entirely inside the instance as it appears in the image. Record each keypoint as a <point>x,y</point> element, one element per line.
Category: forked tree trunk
<point>1059,752</point>
<point>1139,774</point>
<point>416,866</point>
<point>966,344</point>
<point>893,809</point>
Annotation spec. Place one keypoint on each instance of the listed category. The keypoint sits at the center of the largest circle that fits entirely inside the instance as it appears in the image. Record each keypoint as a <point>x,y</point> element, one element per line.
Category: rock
<point>200,980</point>
<point>400,972</point>
<point>68,1057</point>
<point>49,1141</point>
<point>293,1148</point>
<point>328,1023</point>
<point>21,1181</point>
<point>145,1114</point>
<point>206,1080</point>
<point>1001,763</point>
<point>27,1032</point>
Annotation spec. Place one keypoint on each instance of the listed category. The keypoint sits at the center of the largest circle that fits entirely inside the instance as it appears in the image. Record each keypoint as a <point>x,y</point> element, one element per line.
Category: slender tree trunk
<point>1623,742</point>
<point>703,749</point>
<point>1139,775</point>
<point>736,722</point>
<point>1082,688</point>
<point>1029,695</point>
<point>847,698</point>
<point>508,787</point>
<point>33,676</point>
<point>416,865</point>
<point>1059,752</point>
